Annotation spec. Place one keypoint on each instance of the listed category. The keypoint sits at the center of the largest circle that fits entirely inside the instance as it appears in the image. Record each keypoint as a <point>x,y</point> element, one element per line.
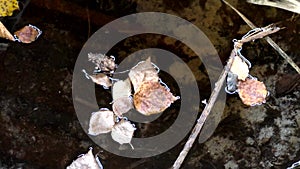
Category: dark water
<point>38,124</point>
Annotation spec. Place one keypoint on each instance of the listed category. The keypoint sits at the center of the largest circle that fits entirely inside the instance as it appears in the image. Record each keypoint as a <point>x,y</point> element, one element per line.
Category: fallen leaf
<point>101,121</point>
<point>123,132</point>
<point>100,79</point>
<point>252,92</point>
<point>102,62</point>
<point>7,7</point>
<point>27,34</point>
<point>122,105</point>
<point>152,98</point>
<point>4,33</point>
<point>121,89</point>
<point>143,71</point>
<point>86,161</point>
<point>240,68</point>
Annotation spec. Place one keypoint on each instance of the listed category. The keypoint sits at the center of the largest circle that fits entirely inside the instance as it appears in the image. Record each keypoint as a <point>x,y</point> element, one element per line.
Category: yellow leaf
<point>7,7</point>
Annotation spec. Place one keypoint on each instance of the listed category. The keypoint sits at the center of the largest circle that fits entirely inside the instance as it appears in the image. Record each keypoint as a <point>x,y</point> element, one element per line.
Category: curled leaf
<point>101,121</point>
<point>144,71</point>
<point>7,7</point>
<point>152,98</point>
<point>103,62</point>
<point>27,34</point>
<point>100,79</point>
<point>123,132</point>
<point>240,68</point>
<point>231,83</point>
<point>122,105</point>
<point>121,89</point>
<point>252,92</point>
<point>4,33</point>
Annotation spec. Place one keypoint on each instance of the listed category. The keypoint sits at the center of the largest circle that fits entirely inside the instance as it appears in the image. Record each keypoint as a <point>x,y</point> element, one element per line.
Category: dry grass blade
<point>268,39</point>
<point>289,5</point>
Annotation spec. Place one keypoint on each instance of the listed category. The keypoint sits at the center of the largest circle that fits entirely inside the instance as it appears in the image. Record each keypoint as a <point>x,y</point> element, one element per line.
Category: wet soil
<point>38,124</point>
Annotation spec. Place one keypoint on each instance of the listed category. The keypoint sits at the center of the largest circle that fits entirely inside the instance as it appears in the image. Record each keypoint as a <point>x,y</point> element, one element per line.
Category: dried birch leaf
<point>7,7</point>
<point>121,89</point>
<point>122,105</point>
<point>252,92</point>
<point>87,161</point>
<point>4,33</point>
<point>103,62</point>
<point>100,79</point>
<point>28,34</point>
<point>239,68</point>
<point>101,121</point>
<point>144,71</point>
<point>152,98</point>
<point>123,132</point>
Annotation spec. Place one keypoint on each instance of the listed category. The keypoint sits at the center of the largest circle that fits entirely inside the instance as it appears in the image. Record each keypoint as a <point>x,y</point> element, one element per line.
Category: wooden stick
<point>200,122</point>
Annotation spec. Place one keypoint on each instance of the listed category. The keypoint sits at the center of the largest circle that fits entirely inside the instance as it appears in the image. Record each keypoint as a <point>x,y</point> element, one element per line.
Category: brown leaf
<point>152,98</point>
<point>27,34</point>
<point>4,33</point>
<point>123,132</point>
<point>103,62</point>
<point>101,121</point>
<point>100,79</point>
<point>144,71</point>
<point>122,105</point>
<point>252,92</point>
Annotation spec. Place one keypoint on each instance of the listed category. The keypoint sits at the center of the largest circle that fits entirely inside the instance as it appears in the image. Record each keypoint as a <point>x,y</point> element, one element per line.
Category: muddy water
<point>39,128</point>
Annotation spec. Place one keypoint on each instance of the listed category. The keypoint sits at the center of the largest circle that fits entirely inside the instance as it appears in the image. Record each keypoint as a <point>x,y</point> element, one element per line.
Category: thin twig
<point>89,22</point>
<point>213,97</point>
<point>268,39</point>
